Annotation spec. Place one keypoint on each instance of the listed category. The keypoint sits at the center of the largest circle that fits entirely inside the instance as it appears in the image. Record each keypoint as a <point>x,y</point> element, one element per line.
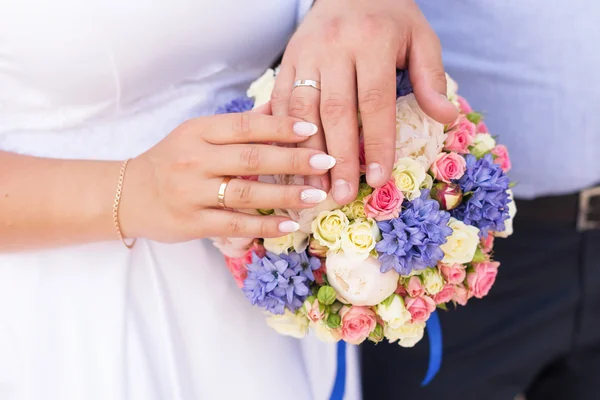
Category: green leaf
<point>265,212</point>
<point>442,306</point>
<point>479,256</point>
<point>388,301</point>
<point>512,185</point>
<point>474,117</point>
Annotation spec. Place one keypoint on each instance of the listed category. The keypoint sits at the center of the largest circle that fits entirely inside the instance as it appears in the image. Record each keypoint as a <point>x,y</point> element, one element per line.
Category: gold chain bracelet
<point>117,203</point>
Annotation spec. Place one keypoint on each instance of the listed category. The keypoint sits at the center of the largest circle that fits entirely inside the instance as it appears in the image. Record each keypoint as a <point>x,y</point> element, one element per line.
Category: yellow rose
<point>355,210</point>
<point>408,175</point>
<point>432,281</point>
<point>296,241</point>
<point>289,324</point>
<point>460,247</point>
<point>327,228</point>
<point>360,237</point>
<point>262,88</point>
<point>408,334</point>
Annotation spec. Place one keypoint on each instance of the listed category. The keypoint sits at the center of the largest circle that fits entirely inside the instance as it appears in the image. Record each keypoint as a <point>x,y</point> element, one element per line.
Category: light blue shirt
<point>533,67</point>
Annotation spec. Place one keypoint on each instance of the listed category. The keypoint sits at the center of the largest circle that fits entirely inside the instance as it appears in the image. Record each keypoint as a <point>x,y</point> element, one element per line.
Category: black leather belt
<point>582,209</point>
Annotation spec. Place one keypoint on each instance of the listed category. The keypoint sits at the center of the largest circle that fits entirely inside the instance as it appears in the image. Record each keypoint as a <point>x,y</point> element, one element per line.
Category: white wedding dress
<point>107,80</point>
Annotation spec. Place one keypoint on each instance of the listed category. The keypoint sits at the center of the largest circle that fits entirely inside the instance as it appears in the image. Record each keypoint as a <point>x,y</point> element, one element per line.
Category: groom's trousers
<point>537,333</point>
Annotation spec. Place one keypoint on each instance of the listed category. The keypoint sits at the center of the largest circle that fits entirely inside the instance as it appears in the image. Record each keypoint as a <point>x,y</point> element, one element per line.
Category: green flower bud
<point>336,307</point>
<point>326,295</point>
<point>334,321</point>
<point>377,335</point>
<point>363,191</point>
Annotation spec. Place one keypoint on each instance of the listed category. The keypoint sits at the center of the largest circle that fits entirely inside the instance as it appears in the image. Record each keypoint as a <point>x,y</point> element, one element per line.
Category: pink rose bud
<point>454,274</point>
<point>315,249</point>
<point>482,279</point>
<point>482,128</point>
<point>448,167</point>
<point>384,203</point>
<point>401,290</point>
<point>319,273</point>
<point>420,308</point>
<point>444,295</point>
<point>449,195</point>
<point>357,323</point>
<point>362,159</point>
<point>487,243</point>
<point>500,153</point>
<point>460,136</point>
<point>461,295</point>
<point>313,310</point>
<point>414,287</point>
<point>463,105</point>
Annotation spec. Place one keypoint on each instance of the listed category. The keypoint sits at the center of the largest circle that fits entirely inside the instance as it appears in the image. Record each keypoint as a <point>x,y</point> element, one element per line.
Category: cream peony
<point>360,282</point>
<point>262,88</point>
<point>289,324</point>
<point>328,226</point>
<point>408,334</point>
<point>461,245</point>
<point>360,237</point>
<point>417,135</point>
<point>394,313</point>
<point>512,211</point>
<point>408,175</point>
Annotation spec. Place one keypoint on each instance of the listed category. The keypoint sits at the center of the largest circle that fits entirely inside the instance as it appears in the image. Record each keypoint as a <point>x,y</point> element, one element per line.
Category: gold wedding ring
<point>221,194</point>
<point>307,82</point>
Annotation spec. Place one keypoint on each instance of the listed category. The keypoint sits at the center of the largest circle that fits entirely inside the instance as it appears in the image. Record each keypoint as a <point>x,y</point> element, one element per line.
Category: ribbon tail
<point>434,333</point>
<point>339,385</point>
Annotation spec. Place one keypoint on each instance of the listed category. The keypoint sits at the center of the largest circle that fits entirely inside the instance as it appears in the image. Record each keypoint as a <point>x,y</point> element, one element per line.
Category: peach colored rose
<point>463,105</point>
<point>448,166</point>
<point>501,157</point>
<point>420,308</point>
<point>238,266</point>
<point>445,295</point>
<point>487,243</point>
<point>461,295</point>
<point>454,274</point>
<point>481,280</point>
<point>460,136</point>
<point>357,323</point>
<point>384,203</point>
<point>313,310</point>
<point>233,247</point>
<point>414,287</point>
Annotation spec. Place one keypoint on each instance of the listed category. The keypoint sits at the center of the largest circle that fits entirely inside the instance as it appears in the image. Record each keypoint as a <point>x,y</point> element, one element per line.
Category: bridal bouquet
<point>378,267</point>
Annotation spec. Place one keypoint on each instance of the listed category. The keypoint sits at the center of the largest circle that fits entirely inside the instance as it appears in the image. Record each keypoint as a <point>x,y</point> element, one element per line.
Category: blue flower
<point>239,104</point>
<point>412,241</point>
<point>276,282</point>
<point>403,85</point>
<point>484,185</point>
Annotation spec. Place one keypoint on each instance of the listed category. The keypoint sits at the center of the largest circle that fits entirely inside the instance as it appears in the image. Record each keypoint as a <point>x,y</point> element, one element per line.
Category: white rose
<point>325,334</point>
<point>460,247</point>
<point>409,174</point>
<point>262,88</point>
<point>360,237</point>
<point>289,324</point>
<point>408,334</point>
<point>432,281</point>
<point>297,241</point>
<point>360,282</point>
<point>417,134</point>
<point>508,224</point>
<point>482,143</point>
<point>451,90</point>
<point>306,216</point>
<point>394,313</point>
<point>427,182</point>
<point>328,226</point>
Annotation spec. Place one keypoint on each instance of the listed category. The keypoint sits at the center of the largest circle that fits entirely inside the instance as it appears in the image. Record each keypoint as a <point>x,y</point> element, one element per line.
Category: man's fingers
<point>280,97</point>
<point>222,223</point>
<point>428,78</point>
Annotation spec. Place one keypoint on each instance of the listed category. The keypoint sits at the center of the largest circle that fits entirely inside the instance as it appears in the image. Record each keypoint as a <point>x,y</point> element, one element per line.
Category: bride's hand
<point>170,192</point>
<point>353,48</point>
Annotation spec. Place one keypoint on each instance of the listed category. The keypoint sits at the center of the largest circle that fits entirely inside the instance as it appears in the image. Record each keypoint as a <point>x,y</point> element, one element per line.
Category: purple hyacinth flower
<point>240,104</point>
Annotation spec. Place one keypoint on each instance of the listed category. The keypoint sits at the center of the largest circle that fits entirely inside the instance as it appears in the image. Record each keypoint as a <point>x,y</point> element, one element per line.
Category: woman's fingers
<point>246,194</point>
<point>261,159</point>
<point>252,127</point>
<point>223,223</point>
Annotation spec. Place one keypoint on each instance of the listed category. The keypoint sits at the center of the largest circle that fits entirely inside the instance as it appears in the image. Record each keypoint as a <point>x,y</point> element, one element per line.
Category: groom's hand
<point>353,48</point>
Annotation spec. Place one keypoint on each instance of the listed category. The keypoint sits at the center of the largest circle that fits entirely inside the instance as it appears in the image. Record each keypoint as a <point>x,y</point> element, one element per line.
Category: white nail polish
<point>374,173</point>
<point>322,162</point>
<point>288,226</point>
<point>341,189</point>
<point>304,128</point>
<point>313,196</point>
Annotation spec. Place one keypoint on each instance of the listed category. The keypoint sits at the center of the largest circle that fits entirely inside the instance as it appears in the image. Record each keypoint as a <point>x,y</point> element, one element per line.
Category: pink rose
<point>444,295</point>
<point>320,272</point>
<point>501,157</point>
<point>448,166</point>
<point>487,243</point>
<point>238,266</point>
<point>357,323</point>
<point>313,311</point>
<point>461,295</point>
<point>420,308</point>
<point>401,291</point>
<point>463,105</point>
<point>414,287</point>
<point>480,281</point>
<point>453,274</point>
<point>460,136</point>
<point>482,127</point>
<point>384,203</point>
<point>233,247</point>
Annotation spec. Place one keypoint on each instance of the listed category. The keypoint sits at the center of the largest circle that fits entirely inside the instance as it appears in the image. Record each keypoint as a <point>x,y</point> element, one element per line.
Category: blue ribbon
<point>434,332</point>
<point>339,385</point>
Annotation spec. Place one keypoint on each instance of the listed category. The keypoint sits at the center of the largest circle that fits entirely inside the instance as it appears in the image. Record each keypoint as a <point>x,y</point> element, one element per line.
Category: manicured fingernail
<point>316,182</point>
<point>322,161</point>
<point>304,128</point>
<point>374,174</point>
<point>313,196</point>
<point>341,189</point>
<point>288,226</point>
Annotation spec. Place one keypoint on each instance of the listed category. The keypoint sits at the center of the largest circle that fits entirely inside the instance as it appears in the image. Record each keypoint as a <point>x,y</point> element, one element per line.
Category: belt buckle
<point>585,197</point>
